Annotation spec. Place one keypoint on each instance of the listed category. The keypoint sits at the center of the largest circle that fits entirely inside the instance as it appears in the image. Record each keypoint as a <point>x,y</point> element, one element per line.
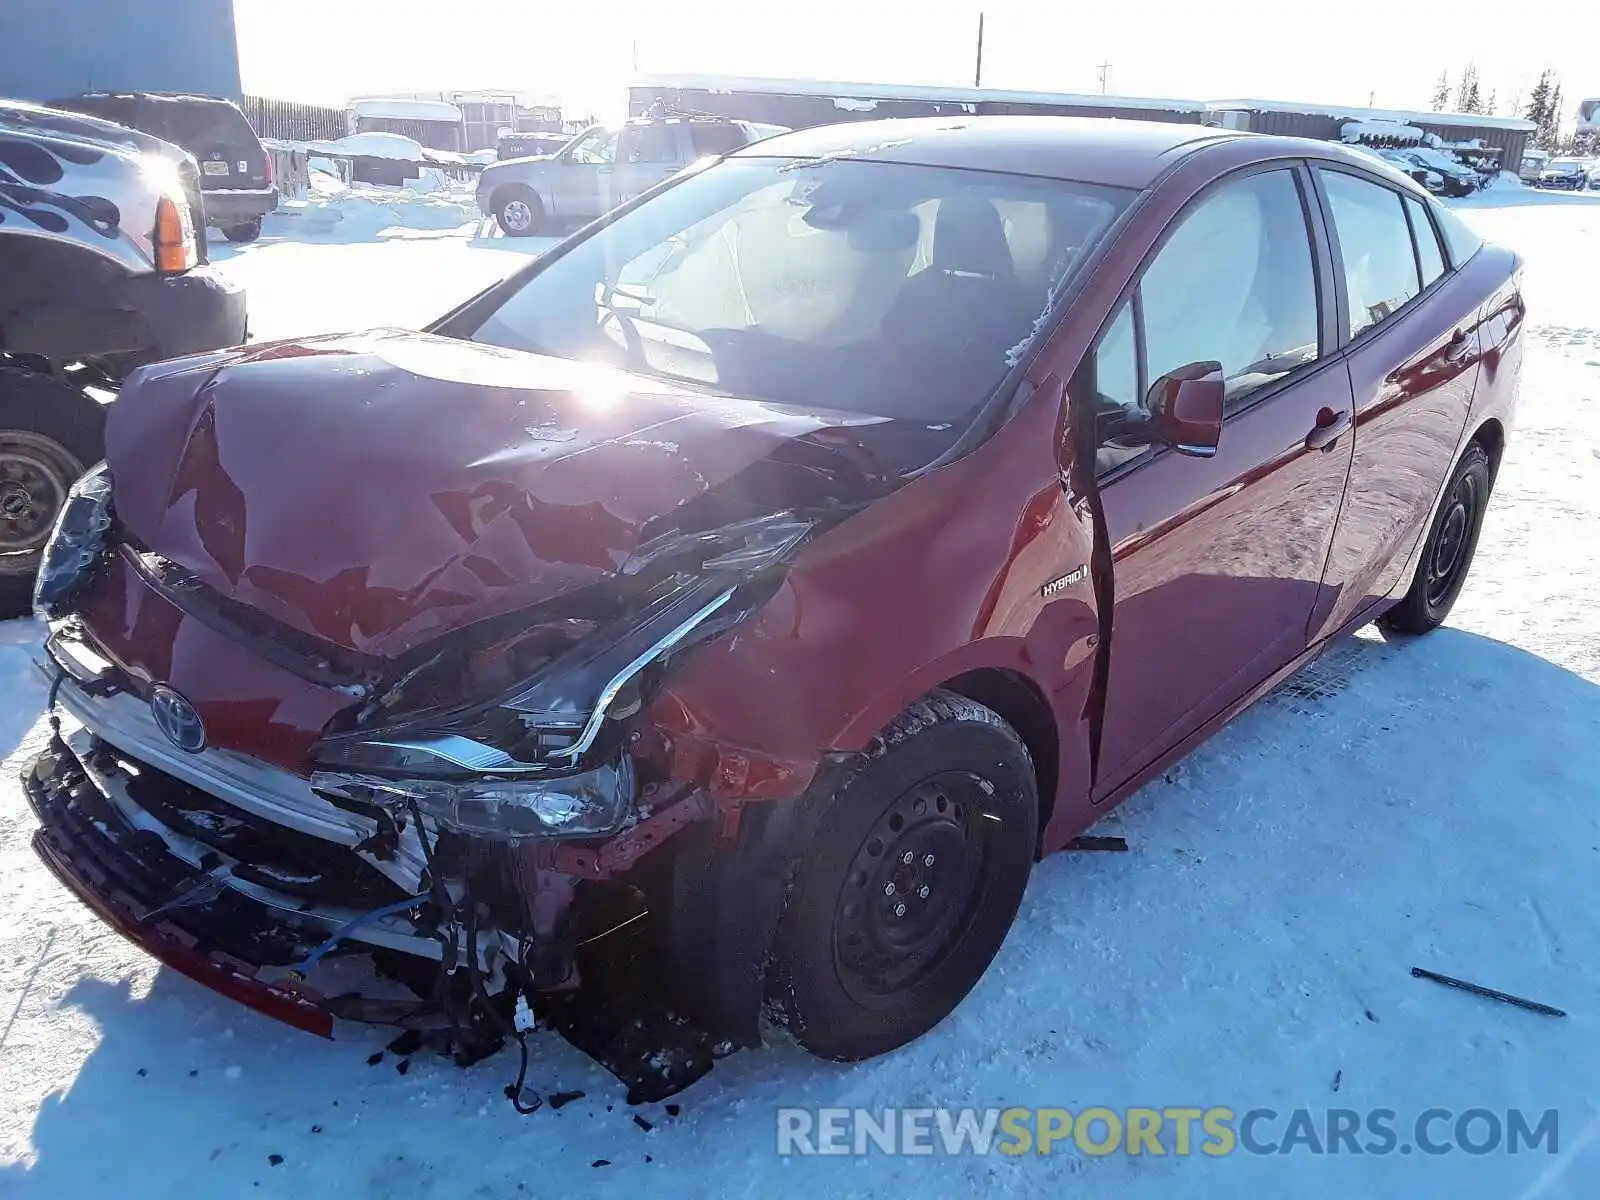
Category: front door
<point>580,185</point>
<point>1217,561</point>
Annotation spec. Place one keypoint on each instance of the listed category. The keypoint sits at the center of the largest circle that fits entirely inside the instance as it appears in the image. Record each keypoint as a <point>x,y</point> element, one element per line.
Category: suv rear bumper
<point>227,206</point>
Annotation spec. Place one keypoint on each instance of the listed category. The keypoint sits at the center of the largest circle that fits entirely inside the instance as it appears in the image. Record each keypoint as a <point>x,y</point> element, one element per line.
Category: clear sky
<point>1390,51</point>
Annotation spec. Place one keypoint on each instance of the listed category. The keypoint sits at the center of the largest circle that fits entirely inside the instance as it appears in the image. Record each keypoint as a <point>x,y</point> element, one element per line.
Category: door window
<point>1234,283</point>
<point>598,148</point>
<point>1428,254</point>
<point>1380,269</point>
<point>715,138</point>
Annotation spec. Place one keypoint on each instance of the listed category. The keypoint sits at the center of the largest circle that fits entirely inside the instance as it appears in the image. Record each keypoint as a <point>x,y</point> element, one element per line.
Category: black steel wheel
<point>1447,553</point>
<point>913,877</point>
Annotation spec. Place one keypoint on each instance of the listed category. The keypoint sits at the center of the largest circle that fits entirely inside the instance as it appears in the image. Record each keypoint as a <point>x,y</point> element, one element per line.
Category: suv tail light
<point>174,237</point>
<point>268,154</point>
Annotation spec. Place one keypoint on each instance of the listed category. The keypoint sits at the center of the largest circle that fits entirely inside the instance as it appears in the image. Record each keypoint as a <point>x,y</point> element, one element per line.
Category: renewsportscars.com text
<point>1214,1132</point>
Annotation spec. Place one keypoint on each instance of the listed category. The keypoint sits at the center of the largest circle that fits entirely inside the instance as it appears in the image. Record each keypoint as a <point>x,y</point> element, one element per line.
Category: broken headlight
<point>555,742</point>
<point>76,543</point>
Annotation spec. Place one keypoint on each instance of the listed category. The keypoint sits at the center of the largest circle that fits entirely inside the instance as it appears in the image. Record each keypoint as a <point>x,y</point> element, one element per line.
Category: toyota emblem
<point>177,718</point>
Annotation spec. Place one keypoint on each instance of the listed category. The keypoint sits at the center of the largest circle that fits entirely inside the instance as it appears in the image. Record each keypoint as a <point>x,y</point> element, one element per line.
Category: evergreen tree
<point>1549,134</point>
<point>1488,105</point>
<point>1441,93</point>
<point>1467,97</point>
<point>1539,102</point>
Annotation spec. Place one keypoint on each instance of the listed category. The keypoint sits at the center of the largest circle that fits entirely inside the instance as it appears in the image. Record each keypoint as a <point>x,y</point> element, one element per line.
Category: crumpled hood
<point>377,490</point>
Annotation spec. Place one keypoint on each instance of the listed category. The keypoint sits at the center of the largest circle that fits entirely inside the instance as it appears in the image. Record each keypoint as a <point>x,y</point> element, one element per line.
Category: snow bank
<point>1359,131</point>
<point>394,146</point>
<point>364,212</point>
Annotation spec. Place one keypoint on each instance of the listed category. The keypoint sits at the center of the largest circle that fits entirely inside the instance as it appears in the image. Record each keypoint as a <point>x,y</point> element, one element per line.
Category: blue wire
<point>345,930</point>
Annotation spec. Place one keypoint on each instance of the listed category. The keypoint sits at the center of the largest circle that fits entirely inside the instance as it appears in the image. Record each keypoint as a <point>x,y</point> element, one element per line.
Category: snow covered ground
<point>1433,803</point>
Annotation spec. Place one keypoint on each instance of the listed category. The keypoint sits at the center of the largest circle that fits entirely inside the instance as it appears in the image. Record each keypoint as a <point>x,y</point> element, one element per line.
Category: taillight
<point>269,166</point>
<point>174,238</point>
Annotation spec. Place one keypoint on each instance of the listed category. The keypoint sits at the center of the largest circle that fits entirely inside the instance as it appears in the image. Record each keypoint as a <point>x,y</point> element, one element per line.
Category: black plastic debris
<point>601,1162</point>
<point>1477,989</point>
<point>674,1109</point>
<point>403,1065</point>
<point>374,1058</point>
<point>560,1100</point>
<point>642,1123</point>
<point>1114,844</point>
<point>275,1159</point>
<point>408,1042</point>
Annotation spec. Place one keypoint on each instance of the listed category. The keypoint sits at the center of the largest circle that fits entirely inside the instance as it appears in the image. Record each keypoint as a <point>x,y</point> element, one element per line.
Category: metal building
<point>53,48</point>
<point>1507,135</point>
<point>798,103</point>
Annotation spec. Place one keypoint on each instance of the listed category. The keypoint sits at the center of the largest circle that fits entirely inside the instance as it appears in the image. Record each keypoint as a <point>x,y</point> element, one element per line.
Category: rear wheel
<point>518,211</point>
<point>1447,554</point>
<point>910,884</point>
<point>50,433</point>
<point>247,232</point>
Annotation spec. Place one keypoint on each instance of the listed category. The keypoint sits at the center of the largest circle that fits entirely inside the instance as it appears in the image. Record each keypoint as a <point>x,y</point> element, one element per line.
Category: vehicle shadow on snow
<point>1401,803</point>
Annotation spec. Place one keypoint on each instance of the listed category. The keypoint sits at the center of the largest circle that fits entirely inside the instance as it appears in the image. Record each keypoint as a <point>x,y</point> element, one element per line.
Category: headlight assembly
<point>547,756</point>
<point>76,543</point>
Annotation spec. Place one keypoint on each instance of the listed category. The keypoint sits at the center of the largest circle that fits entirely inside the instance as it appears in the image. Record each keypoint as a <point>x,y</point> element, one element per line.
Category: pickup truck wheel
<point>248,232</point>
<point>1447,554</point>
<point>50,433</point>
<point>518,211</point>
<point>914,875</point>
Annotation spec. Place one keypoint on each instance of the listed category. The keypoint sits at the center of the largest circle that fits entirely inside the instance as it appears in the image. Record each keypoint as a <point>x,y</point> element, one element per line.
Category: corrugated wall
<point>54,48</point>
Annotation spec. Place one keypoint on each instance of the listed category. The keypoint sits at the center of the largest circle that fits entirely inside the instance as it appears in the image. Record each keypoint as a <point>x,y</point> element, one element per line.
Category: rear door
<point>647,154</point>
<point>216,133</point>
<point>1413,351</point>
<point>1217,561</point>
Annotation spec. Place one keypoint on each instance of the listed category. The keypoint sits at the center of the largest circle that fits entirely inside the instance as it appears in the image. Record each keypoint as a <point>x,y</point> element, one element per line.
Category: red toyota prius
<point>721,615</point>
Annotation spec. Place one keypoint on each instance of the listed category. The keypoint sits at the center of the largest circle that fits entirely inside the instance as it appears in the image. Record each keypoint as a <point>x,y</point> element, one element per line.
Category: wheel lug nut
<point>899,910</point>
<point>922,892</point>
<point>907,857</point>
<point>888,888</point>
<point>928,861</point>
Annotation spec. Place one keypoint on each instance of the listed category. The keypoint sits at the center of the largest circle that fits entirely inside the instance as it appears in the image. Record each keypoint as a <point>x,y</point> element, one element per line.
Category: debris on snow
<point>560,1100</point>
<point>1098,843</point>
<point>1477,989</point>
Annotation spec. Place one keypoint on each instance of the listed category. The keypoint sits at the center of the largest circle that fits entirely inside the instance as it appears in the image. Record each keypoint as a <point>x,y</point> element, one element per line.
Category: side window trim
<point>1411,205</point>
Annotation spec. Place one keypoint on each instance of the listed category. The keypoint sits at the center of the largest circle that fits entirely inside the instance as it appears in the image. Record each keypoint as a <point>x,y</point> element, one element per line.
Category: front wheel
<point>913,878</point>
<point>1447,554</point>
<point>249,231</point>
<point>519,212</point>
<point>50,433</point>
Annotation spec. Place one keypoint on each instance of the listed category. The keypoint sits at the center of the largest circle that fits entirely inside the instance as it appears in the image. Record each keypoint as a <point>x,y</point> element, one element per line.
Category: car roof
<point>1104,150</point>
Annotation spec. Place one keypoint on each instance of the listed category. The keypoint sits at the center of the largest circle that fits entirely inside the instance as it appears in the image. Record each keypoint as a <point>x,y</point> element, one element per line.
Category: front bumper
<point>236,207</point>
<point>198,310</point>
<point>221,871</point>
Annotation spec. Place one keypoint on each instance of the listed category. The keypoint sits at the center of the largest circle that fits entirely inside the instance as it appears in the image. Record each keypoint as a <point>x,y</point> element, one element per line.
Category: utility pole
<point>1105,73</point>
<point>977,73</point>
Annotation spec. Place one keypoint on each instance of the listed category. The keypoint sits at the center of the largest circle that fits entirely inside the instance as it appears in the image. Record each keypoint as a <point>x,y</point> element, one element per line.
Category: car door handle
<point>1457,348</point>
<point>1330,427</point>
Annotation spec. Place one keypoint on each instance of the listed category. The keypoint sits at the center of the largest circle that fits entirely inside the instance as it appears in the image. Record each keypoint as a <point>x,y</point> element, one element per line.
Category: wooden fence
<point>293,121</point>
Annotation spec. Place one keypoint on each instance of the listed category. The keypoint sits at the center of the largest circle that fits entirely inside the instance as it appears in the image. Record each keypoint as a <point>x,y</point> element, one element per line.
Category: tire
<point>518,211</point>
<point>873,950</point>
<point>1447,554</point>
<point>248,232</point>
<point>50,433</point>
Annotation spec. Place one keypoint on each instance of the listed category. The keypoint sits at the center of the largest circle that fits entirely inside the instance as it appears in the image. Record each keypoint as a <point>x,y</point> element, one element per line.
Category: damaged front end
<point>458,838</point>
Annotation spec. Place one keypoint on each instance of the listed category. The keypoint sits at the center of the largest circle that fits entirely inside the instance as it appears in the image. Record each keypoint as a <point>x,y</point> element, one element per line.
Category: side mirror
<point>1185,408</point>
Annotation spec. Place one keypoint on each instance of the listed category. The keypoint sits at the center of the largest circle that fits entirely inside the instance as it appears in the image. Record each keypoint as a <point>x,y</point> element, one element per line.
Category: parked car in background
<point>235,170</point>
<point>102,269</point>
<point>1454,178</point>
<point>1564,173</point>
<point>728,609</point>
<point>1533,161</point>
<point>600,169</point>
<point>1424,177</point>
<point>529,145</point>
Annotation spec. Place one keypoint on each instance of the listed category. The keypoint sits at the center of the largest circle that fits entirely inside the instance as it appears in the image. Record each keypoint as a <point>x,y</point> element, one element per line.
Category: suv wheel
<point>912,879</point>
<point>50,433</point>
<point>248,232</point>
<point>519,212</point>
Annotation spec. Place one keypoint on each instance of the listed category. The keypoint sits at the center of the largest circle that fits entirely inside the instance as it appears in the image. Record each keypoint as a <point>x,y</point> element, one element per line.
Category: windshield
<point>870,287</point>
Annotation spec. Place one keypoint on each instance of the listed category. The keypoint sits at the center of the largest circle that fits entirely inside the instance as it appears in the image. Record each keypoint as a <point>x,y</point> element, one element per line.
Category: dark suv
<point>235,170</point>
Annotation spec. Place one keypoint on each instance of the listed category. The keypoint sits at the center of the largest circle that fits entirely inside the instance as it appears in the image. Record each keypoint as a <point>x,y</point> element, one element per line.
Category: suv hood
<point>380,489</point>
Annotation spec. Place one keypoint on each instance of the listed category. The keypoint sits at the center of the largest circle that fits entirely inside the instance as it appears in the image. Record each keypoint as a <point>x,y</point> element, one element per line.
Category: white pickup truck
<point>602,168</point>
